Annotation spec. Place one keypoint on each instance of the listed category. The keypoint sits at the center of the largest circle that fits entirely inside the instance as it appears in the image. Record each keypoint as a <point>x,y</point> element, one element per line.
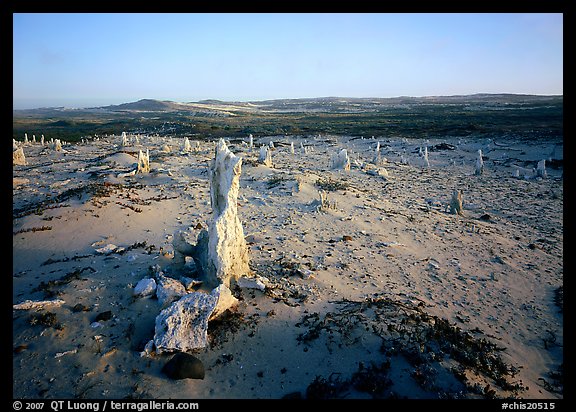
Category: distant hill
<point>316,104</point>
<point>471,98</point>
<point>491,115</point>
<point>149,105</point>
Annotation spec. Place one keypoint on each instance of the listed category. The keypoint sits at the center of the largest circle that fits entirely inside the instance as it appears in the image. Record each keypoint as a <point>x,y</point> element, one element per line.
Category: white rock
<point>251,283</point>
<point>186,147</point>
<point>18,157</point>
<point>145,287</point>
<point>425,157</point>
<point>183,326</point>
<point>541,169</point>
<point>432,264</point>
<point>143,162</point>
<point>221,252</point>
<point>378,171</point>
<point>225,301</point>
<point>109,248</point>
<point>305,273</point>
<point>168,290</point>
<point>57,145</point>
<point>148,349</point>
<point>190,283</point>
<point>479,164</point>
<point>127,174</point>
<point>341,160</point>
<point>456,203</point>
<point>383,172</point>
<point>265,156</point>
<point>391,244</point>
<point>68,352</point>
<point>227,254</point>
<point>37,304</point>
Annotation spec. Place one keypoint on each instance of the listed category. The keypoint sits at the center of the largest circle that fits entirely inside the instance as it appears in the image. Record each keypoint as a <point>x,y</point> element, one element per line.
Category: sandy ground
<point>350,288</point>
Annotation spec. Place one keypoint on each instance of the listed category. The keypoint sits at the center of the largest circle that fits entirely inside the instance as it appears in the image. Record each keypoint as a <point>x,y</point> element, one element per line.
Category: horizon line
<point>296,98</point>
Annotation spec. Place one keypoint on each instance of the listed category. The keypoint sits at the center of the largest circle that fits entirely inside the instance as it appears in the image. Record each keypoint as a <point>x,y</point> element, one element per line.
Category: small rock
<point>433,265</point>
<point>68,352</point>
<point>148,349</point>
<point>95,325</point>
<point>184,366</point>
<point>183,326</point>
<point>251,283</point>
<point>486,217</point>
<point>145,287</point>
<point>103,316</point>
<point>305,273</point>
<point>169,290</point>
<point>29,304</point>
<point>80,308</point>
<point>346,238</point>
<point>109,248</point>
<point>190,283</point>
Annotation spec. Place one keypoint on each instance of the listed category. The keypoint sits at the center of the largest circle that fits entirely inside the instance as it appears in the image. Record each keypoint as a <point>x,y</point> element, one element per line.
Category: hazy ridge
<point>478,115</point>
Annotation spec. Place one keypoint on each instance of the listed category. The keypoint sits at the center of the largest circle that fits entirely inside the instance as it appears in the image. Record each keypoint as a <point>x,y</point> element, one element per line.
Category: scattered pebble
<point>109,248</point>
<point>145,287</point>
<point>80,308</point>
<point>68,352</point>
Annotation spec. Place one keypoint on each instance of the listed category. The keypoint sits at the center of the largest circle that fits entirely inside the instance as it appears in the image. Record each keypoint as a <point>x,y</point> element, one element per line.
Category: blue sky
<point>81,60</point>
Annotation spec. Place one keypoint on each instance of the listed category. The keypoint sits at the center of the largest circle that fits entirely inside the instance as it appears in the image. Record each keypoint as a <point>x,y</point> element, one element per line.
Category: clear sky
<point>82,60</point>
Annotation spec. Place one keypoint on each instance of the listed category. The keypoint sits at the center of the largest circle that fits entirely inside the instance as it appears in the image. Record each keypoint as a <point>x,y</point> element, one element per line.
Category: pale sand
<point>495,276</point>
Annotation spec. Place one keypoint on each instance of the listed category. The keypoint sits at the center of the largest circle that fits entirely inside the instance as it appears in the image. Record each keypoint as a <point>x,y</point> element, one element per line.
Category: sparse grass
<point>94,189</point>
<point>331,185</point>
<point>47,287</point>
<point>33,229</point>
<point>554,381</point>
<point>407,330</point>
<point>276,180</point>
<point>47,319</point>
